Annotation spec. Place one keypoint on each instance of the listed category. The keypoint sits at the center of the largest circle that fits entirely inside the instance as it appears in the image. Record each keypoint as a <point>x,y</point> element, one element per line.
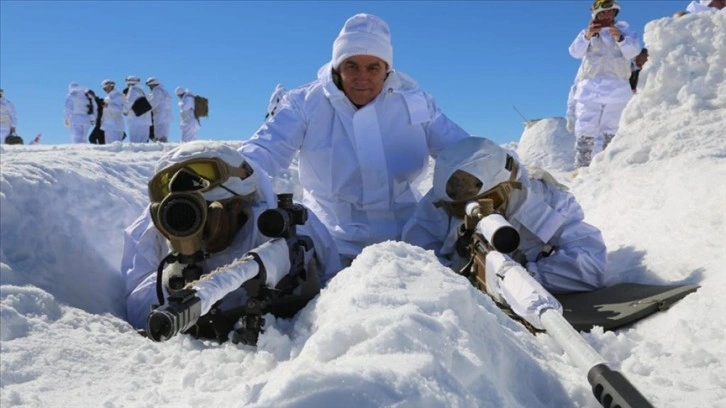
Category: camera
<point>280,222</point>
<point>602,23</point>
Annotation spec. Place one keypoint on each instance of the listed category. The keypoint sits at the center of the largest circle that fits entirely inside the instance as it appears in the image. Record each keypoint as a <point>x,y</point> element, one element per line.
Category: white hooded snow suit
<point>76,114</point>
<point>138,125</point>
<point>189,124</point>
<point>543,214</point>
<point>145,247</point>
<point>602,87</point>
<point>112,122</point>
<point>161,109</point>
<point>8,118</point>
<point>357,167</point>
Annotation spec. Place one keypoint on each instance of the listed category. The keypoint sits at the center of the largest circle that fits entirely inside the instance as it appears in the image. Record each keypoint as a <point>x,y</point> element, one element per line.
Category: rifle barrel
<point>610,388</point>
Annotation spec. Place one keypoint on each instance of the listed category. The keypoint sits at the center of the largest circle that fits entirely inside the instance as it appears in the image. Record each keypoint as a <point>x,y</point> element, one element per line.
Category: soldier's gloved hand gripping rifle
<point>487,237</point>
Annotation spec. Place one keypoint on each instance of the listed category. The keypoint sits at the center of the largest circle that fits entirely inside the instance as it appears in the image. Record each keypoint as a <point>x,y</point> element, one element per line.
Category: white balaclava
<point>363,34</point>
<point>477,156</point>
<point>205,149</point>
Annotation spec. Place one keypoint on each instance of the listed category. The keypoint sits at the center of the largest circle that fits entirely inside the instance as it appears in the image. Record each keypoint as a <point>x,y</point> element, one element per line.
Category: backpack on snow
<point>201,107</point>
<point>13,139</point>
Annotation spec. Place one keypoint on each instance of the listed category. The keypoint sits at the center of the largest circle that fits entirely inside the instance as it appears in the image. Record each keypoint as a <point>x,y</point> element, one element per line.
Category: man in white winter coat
<point>560,250</point>
<point>160,109</point>
<point>78,113</point>
<point>235,195</point>
<point>602,86</point>
<point>138,124</point>
<point>8,117</point>
<point>112,120</point>
<point>189,123</point>
<point>364,133</point>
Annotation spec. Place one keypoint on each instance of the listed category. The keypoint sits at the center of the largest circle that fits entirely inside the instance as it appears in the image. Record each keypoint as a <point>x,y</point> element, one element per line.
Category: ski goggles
<point>195,175</point>
<point>498,195</point>
<point>603,5</point>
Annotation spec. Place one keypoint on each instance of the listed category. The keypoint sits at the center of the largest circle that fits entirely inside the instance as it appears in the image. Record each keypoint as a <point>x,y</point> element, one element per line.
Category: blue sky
<point>478,58</point>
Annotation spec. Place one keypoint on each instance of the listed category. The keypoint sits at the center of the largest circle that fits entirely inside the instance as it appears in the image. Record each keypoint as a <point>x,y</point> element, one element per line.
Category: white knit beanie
<point>363,34</point>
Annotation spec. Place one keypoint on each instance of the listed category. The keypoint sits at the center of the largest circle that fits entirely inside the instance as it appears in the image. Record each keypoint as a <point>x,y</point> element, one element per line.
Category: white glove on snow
<point>527,298</point>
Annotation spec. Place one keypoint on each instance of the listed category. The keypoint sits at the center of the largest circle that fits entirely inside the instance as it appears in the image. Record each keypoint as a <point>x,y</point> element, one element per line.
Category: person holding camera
<point>205,201</point>
<point>602,89</point>
<point>364,133</point>
<point>139,120</point>
<point>555,245</point>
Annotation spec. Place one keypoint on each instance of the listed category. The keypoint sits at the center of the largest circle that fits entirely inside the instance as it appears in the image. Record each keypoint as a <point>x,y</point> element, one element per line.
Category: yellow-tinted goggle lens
<point>602,4</point>
<point>208,170</point>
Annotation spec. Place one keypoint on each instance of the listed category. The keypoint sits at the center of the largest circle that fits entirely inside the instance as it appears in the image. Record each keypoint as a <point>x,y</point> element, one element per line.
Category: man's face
<point>606,16</point>
<point>362,78</point>
<point>108,88</point>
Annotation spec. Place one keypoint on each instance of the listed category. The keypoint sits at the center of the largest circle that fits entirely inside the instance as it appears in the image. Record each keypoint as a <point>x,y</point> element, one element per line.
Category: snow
<point>395,329</point>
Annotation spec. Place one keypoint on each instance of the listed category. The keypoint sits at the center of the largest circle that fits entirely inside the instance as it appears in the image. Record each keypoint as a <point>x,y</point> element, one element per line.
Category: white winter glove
<point>172,270</point>
<point>527,298</point>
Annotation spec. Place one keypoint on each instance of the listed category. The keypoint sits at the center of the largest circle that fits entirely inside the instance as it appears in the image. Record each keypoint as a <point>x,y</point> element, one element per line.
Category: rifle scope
<point>280,222</point>
<point>495,229</point>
